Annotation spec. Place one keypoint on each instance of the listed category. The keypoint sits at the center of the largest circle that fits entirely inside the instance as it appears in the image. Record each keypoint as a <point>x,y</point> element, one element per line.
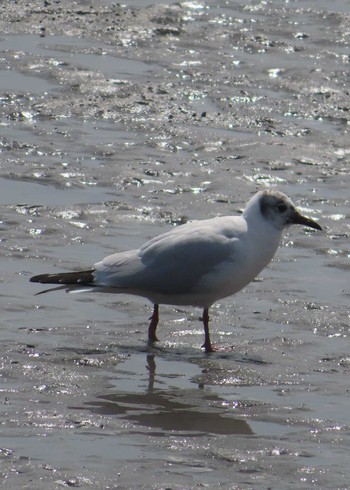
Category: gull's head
<point>278,210</point>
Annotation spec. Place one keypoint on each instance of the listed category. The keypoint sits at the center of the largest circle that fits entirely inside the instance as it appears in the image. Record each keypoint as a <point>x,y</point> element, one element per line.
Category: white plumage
<point>197,263</point>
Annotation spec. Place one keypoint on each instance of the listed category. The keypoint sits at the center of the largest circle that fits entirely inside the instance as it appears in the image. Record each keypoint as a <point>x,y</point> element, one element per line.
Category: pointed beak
<point>299,219</point>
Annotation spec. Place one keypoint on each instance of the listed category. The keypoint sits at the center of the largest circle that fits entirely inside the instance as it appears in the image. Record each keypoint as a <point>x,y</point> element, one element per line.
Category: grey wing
<point>173,263</point>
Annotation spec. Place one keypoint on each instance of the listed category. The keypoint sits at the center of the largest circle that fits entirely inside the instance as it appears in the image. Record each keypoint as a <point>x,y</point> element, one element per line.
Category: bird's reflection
<point>171,409</point>
<point>151,367</point>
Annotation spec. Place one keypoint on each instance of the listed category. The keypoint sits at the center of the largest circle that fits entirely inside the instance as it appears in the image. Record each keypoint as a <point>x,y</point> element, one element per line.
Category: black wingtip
<point>36,278</point>
<point>79,277</point>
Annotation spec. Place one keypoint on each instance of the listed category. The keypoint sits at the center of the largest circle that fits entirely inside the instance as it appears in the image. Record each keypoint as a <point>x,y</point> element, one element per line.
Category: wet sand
<point>117,123</point>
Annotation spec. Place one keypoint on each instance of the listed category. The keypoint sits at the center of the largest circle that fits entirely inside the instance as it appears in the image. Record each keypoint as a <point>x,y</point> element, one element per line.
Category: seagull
<point>195,264</point>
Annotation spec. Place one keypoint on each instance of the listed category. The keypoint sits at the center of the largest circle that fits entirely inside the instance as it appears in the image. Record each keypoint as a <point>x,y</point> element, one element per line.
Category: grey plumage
<point>194,264</point>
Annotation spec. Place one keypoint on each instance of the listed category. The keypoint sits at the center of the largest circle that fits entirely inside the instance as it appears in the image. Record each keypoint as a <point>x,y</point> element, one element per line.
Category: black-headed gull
<point>197,263</point>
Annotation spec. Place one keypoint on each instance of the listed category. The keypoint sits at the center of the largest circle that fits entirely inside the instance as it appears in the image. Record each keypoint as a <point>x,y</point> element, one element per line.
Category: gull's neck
<point>264,235</point>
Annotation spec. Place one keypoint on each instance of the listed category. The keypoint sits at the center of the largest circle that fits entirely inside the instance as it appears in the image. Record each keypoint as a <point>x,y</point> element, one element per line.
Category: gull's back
<point>175,263</point>
<point>193,264</point>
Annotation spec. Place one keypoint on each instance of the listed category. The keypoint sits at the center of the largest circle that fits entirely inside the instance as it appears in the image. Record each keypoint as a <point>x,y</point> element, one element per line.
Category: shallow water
<point>116,124</point>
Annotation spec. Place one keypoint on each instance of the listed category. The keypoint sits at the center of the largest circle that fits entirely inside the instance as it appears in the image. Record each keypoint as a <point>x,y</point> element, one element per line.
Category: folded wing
<point>173,263</point>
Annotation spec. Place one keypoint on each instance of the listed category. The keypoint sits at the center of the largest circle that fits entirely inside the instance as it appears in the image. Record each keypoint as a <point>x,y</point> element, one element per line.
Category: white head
<point>277,209</point>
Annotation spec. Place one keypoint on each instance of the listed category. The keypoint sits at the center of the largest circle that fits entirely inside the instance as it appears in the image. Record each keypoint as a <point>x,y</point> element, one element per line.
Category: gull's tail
<point>81,278</point>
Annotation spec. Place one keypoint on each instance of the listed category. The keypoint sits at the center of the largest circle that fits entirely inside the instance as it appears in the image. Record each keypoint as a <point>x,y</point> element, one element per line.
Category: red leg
<point>153,325</point>
<point>207,344</point>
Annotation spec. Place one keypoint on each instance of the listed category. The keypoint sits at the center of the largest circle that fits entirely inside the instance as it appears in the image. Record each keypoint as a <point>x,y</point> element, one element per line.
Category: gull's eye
<point>281,207</point>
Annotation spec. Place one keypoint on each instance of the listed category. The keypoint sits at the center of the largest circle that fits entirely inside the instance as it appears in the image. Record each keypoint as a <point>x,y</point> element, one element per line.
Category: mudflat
<point>119,122</point>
